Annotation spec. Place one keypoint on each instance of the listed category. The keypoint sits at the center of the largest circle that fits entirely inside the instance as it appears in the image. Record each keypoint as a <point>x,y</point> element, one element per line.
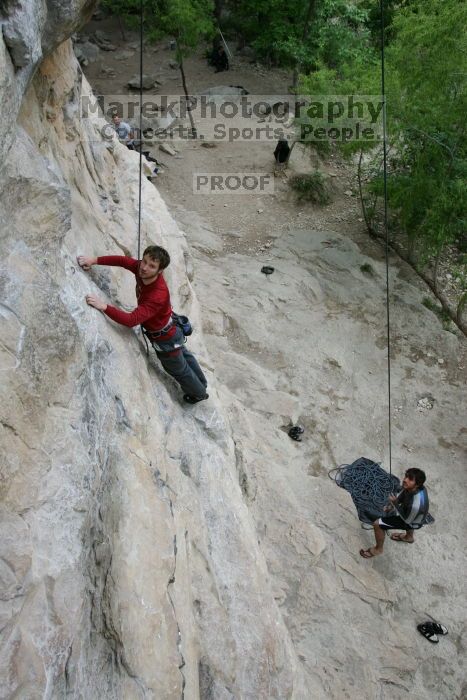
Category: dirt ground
<point>233,217</point>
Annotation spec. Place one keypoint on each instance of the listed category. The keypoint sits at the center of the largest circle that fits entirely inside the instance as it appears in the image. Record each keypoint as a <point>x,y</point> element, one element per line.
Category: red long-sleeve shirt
<point>154,309</point>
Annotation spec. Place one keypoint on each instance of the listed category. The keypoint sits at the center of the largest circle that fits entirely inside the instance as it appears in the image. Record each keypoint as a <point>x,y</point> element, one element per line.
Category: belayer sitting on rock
<point>409,512</point>
<point>154,312</point>
<point>123,131</point>
<point>127,136</point>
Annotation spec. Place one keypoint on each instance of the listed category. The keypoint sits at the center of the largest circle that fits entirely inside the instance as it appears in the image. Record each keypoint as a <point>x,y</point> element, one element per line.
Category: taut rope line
<point>386,230</point>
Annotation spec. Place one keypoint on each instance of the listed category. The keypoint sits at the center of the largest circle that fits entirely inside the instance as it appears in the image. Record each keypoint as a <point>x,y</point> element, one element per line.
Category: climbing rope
<point>141,19</point>
<point>386,230</point>
<point>367,482</point>
<point>369,485</point>
<point>140,183</point>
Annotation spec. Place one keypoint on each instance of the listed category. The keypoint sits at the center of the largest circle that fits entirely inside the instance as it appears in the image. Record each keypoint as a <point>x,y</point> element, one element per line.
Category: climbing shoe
<point>194,399</point>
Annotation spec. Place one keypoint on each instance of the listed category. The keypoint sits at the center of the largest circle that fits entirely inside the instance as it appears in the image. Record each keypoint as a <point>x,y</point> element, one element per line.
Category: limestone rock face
<point>130,565</point>
<point>158,551</point>
<point>31,30</point>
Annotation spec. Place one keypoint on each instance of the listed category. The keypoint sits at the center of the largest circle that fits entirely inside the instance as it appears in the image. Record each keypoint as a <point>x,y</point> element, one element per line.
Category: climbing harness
<point>183,322</point>
<point>153,335</point>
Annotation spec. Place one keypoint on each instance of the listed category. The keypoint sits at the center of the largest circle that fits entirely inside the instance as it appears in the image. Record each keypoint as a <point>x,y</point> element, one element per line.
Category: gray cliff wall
<point>129,563</point>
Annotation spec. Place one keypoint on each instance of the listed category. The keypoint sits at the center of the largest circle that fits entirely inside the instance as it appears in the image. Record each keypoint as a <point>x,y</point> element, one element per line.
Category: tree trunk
<point>435,271</point>
<point>122,28</point>
<point>306,28</point>
<point>460,310</point>
<point>185,90</point>
<point>218,7</point>
<point>360,190</point>
<point>454,314</point>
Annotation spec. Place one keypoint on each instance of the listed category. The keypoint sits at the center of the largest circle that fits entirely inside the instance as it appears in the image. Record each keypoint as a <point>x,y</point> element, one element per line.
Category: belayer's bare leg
<point>379,537</point>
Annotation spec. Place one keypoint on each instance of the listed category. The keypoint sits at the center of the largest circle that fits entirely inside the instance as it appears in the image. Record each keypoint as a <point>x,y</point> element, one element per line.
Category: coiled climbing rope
<point>368,484</point>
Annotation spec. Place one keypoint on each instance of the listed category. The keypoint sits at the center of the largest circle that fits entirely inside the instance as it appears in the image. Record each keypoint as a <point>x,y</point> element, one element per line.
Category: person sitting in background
<point>123,131</point>
<point>126,135</point>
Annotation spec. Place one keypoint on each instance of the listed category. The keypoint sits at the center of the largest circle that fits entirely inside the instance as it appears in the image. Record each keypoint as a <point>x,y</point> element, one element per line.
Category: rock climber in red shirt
<point>154,313</point>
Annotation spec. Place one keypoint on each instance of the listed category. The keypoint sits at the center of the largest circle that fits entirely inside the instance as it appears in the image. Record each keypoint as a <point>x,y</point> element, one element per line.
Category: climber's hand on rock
<point>86,263</point>
<point>97,303</point>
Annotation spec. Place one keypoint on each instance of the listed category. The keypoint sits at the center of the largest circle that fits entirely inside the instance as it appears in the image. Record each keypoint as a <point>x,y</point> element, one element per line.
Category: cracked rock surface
<point>154,550</point>
<point>130,566</point>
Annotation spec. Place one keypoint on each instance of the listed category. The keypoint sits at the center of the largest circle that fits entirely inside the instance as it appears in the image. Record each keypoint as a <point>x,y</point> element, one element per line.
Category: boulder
<point>148,82</point>
<point>107,47</point>
<point>167,148</point>
<point>86,53</point>
<point>102,36</point>
<point>124,55</point>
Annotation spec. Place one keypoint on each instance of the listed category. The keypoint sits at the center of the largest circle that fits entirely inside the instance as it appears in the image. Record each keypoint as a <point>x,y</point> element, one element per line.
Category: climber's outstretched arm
<point>86,262</point>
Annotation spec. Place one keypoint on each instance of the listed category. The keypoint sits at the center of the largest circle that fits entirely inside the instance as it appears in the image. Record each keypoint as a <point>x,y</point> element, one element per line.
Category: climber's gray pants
<point>182,365</point>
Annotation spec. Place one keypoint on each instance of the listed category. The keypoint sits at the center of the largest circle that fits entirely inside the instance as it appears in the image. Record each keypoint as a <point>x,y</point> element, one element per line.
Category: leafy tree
<point>190,22</point>
<point>300,34</point>
<point>426,113</point>
<point>426,106</point>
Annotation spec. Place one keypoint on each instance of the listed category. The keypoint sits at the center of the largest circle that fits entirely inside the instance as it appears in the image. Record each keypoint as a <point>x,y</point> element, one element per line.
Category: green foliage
<point>426,106</point>
<point>426,117</point>
<point>310,187</point>
<point>303,32</point>
<point>188,21</point>
<point>127,10</point>
<point>367,269</point>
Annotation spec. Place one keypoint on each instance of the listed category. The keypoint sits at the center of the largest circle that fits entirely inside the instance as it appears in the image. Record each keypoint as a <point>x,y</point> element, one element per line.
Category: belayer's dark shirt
<point>412,507</point>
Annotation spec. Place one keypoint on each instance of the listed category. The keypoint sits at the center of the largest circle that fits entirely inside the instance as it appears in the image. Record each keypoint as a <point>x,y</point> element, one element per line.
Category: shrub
<point>310,187</point>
